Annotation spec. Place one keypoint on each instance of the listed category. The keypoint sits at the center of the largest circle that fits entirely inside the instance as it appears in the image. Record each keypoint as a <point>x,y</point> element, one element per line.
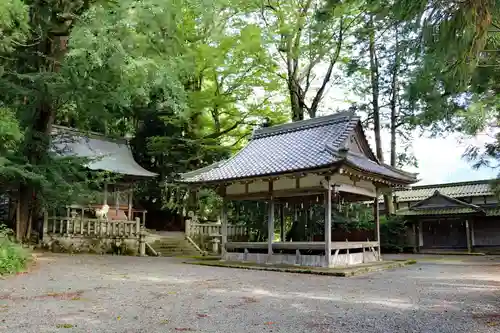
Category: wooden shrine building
<point>105,154</point>
<point>463,215</point>
<point>326,160</point>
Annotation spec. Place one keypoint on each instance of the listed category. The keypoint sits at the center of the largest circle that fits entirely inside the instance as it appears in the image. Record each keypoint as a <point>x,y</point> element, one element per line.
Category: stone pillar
<point>137,226</point>
<point>223,218</point>
<point>142,242</point>
<point>270,228</point>
<point>376,217</point>
<point>468,234</point>
<point>45,225</point>
<point>328,223</point>
<point>187,224</point>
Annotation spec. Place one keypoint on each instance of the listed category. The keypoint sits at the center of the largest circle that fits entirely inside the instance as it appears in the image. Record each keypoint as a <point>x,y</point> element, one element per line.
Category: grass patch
<point>13,257</point>
<point>65,326</point>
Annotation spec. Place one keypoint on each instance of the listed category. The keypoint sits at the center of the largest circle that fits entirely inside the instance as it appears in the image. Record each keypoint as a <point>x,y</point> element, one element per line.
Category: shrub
<point>392,234</point>
<point>13,257</point>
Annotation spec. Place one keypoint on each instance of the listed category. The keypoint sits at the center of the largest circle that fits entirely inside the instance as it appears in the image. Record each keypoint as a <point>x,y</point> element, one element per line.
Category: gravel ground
<point>86,293</point>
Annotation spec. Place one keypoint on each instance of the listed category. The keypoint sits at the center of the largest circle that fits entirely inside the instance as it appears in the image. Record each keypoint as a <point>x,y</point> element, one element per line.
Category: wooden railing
<point>79,210</point>
<point>301,245</point>
<point>214,229</point>
<point>69,226</point>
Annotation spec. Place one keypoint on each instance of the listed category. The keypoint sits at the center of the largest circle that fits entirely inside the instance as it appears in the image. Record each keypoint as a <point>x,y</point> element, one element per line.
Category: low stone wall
<point>341,260</point>
<point>86,244</point>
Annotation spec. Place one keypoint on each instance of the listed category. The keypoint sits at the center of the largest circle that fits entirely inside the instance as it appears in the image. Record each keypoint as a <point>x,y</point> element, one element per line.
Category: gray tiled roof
<point>440,204</point>
<point>297,146</point>
<point>455,190</point>
<point>365,164</point>
<point>106,154</point>
<point>437,211</point>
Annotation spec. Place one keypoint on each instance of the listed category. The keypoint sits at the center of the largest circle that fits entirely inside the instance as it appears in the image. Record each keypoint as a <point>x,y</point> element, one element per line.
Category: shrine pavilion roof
<point>325,142</point>
<point>106,154</point>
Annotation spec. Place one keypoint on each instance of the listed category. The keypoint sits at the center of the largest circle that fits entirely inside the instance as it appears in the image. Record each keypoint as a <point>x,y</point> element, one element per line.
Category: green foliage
<point>120,53</point>
<point>308,47</point>
<point>10,136</point>
<point>10,133</point>
<point>13,25</point>
<point>452,33</point>
<point>192,79</point>
<point>13,257</point>
<point>393,234</point>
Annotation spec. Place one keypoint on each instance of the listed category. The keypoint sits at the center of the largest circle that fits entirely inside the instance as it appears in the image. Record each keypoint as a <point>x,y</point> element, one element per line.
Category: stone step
<point>173,246</point>
<point>168,245</point>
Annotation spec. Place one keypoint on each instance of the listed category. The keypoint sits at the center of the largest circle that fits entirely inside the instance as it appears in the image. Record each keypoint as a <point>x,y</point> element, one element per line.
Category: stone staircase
<point>171,244</point>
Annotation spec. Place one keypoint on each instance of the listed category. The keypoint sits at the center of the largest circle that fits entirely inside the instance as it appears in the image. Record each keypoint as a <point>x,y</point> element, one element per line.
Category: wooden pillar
<point>328,223</point>
<point>270,227</point>
<point>420,234</point>
<point>117,200</point>
<point>282,222</point>
<point>472,238</point>
<point>18,220</point>
<point>415,239</point>
<point>376,216</point>
<point>130,203</point>
<point>468,234</point>
<point>105,201</point>
<point>223,227</point>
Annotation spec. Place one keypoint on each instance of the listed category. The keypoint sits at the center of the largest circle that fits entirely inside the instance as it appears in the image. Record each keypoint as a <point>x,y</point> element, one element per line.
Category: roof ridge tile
<point>335,118</point>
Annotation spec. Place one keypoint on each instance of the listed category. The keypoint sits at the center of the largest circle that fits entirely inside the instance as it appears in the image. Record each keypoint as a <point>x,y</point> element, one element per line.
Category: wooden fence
<point>214,229</point>
<point>69,226</point>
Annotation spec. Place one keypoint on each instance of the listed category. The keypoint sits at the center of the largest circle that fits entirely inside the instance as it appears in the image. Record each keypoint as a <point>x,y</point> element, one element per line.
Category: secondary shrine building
<point>325,161</point>
<point>462,215</point>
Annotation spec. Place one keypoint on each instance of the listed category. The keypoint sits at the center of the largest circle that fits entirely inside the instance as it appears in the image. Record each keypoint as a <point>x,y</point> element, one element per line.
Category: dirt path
<point>129,294</point>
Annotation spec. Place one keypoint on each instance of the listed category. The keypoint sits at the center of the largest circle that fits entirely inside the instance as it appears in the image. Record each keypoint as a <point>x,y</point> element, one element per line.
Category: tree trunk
<point>394,97</point>
<point>37,146</point>
<point>375,92</point>
<point>37,140</point>
<point>374,76</point>
<point>295,103</point>
<point>23,212</point>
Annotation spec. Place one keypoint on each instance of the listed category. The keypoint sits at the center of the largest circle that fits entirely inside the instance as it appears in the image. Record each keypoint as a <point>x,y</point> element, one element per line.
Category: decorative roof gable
<point>441,204</point>
<point>300,146</point>
<point>441,201</point>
